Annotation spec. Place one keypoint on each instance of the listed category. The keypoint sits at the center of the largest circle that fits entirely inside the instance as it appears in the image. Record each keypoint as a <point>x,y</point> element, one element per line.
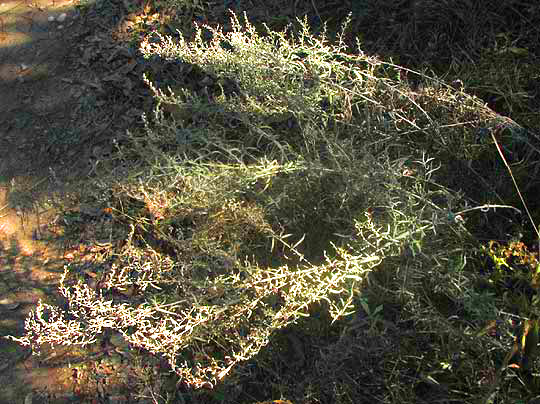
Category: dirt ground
<point>36,99</point>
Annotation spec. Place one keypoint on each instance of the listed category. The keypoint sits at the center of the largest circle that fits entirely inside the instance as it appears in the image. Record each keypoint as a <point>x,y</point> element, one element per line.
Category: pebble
<point>61,18</point>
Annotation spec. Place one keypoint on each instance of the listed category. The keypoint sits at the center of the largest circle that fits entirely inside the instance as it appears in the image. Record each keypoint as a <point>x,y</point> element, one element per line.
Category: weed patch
<point>291,209</point>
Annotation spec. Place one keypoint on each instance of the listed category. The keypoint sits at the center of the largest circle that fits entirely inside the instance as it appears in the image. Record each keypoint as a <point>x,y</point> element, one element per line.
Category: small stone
<point>60,27</point>
<point>61,17</point>
<point>50,18</point>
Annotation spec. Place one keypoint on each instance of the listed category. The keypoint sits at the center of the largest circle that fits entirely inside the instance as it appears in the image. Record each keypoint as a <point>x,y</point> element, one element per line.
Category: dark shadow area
<point>35,104</point>
<point>28,274</point>
<point>32,260</point>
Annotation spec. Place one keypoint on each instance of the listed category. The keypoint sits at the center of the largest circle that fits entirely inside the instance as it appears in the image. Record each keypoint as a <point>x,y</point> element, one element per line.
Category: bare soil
<point>36,102</point>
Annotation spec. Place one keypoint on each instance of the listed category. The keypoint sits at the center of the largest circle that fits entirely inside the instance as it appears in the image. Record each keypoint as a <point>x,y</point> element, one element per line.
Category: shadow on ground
<point>36,104</point>
<point>29,272</point>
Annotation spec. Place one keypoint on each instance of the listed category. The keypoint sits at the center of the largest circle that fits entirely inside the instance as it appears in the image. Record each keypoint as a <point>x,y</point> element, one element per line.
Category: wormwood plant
<point>276,172</point>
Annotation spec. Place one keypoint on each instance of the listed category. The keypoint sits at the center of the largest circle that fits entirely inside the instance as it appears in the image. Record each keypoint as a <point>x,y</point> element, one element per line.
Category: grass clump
<point>489,47</point>
<point>285,193</point>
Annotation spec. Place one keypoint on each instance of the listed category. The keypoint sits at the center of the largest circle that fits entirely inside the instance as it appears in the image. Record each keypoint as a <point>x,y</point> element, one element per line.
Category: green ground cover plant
<point>297,221</point>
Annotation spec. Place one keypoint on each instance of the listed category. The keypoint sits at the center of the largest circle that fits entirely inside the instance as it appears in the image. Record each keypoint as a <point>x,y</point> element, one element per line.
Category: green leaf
<point>518,51</point>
